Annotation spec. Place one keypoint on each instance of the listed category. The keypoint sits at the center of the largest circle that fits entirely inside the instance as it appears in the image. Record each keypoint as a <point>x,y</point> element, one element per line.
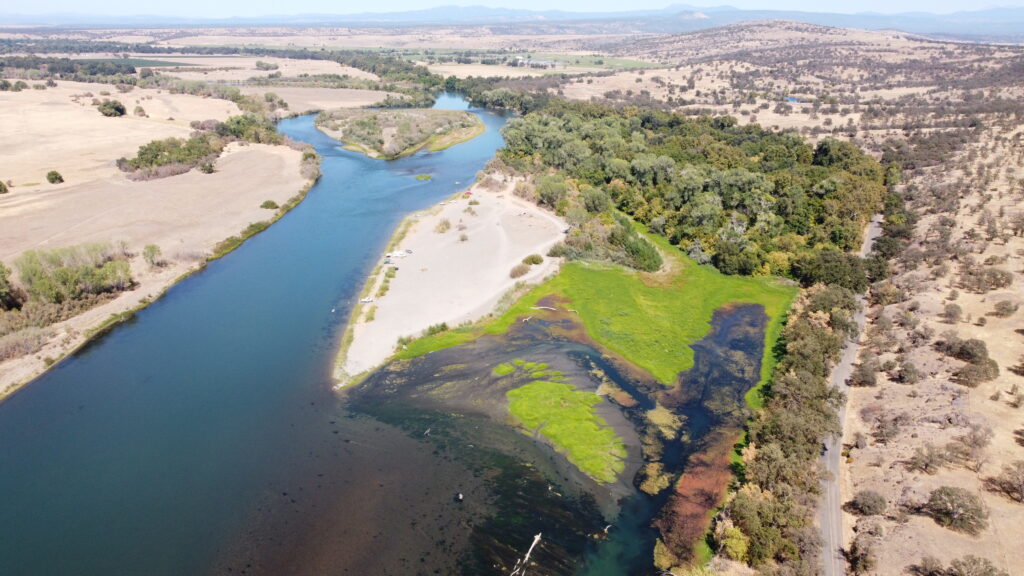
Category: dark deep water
<point>204,437</point>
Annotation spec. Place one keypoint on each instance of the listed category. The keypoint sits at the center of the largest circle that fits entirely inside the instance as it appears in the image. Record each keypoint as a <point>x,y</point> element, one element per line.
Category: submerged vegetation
<point>565,416</point>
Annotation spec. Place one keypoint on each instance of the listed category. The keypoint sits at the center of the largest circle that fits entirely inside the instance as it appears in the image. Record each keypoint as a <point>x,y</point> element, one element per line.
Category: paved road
<point>830,516</point>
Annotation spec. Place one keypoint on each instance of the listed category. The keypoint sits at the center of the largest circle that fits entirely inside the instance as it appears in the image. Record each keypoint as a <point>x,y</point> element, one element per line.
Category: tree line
<point>743,199</point>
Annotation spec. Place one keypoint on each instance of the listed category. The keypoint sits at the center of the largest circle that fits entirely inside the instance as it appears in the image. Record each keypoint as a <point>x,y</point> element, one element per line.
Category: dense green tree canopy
<point>747,200</point>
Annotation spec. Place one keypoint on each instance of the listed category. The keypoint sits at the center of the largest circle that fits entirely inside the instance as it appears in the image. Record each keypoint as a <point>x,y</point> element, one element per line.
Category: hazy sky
<point>220,8</point>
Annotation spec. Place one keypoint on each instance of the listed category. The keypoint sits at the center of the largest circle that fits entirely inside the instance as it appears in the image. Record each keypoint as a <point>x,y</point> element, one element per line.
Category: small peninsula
<point>391,134</point>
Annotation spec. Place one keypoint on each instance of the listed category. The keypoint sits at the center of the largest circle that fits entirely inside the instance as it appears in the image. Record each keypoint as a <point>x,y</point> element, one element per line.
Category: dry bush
<point>23,342</point>
<point>519,270</point>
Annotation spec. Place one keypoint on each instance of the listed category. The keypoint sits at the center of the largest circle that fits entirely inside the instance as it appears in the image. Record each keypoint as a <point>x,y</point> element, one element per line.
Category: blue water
<point>145,453</point>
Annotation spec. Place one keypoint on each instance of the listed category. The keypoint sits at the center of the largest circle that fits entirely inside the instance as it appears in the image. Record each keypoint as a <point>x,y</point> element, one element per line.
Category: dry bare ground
<point>455,273</point>
<point>60,129</point>
<point>938,410</point>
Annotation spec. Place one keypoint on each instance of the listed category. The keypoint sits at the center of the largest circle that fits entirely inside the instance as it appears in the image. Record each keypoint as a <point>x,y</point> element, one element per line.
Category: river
<point>151,450</point>
<point>205,437</point>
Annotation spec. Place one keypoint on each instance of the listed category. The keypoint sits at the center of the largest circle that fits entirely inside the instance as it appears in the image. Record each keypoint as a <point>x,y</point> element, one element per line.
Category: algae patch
<point>566,417</point>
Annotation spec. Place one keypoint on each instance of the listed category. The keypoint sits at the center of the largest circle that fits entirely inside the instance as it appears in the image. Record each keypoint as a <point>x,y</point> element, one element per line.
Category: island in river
<point>390,134</point>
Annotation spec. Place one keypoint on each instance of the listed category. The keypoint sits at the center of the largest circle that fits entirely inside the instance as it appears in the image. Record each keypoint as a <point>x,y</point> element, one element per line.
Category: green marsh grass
<point>649,319</point>
<point>566,417</point>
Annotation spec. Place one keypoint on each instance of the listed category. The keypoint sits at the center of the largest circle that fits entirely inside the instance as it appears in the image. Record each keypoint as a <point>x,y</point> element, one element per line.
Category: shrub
<point>140,111</point>
<point>22,342</point>
<point>111,108</point>
<point>436,329</point>
<point>3,188</point>
<point>929,566</point>
<point>69,274</point>
<point>443,226</point>
<point>928,459</point>
<point>957,509</point>
<point>909,374</point>
<point>269,205</point>
<point>952,313</point>
<point>151,254</point>
<point>869,503</point>
<point>862,556</point>
<point>550,189</point>
<point>54,177</point>
<point>533,259</point>
<point>595,200</point>
<point>1004,308</point>
<point>972,375</point>
<point>8,295</point>
<point>865,374</point>
<point>1011,480</point>
<point>971,565</point>
<point>519,270</point>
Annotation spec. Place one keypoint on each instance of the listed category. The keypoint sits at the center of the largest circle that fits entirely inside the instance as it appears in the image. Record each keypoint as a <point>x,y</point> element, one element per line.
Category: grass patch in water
<point>649,319</point>
<point>503,369</point>
<point>566,417</point>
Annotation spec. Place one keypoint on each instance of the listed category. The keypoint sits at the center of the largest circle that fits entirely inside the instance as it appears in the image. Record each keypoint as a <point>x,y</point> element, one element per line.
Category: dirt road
<point>830,516</point>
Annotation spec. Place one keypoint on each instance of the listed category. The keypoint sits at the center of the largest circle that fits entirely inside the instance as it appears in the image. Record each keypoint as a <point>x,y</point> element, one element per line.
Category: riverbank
<point>451,264</point>
<point>191,217</point>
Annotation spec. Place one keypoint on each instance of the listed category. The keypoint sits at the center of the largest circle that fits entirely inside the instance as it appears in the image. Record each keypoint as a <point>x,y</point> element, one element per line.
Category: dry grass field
<point>302,100</point>
<point>889,423</point>
<point>234,69</point>
<point>60,129</point>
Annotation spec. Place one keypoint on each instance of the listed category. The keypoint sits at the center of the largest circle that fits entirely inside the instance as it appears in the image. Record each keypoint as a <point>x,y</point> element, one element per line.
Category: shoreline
<point>73,334</point>
<point>445,280</point>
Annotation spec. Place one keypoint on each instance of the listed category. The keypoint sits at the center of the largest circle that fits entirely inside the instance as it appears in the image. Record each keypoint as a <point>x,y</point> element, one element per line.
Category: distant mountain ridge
<point>995,24</point>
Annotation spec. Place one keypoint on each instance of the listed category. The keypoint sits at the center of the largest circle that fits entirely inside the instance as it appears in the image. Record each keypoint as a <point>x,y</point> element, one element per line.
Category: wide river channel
<point>154,450</point>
